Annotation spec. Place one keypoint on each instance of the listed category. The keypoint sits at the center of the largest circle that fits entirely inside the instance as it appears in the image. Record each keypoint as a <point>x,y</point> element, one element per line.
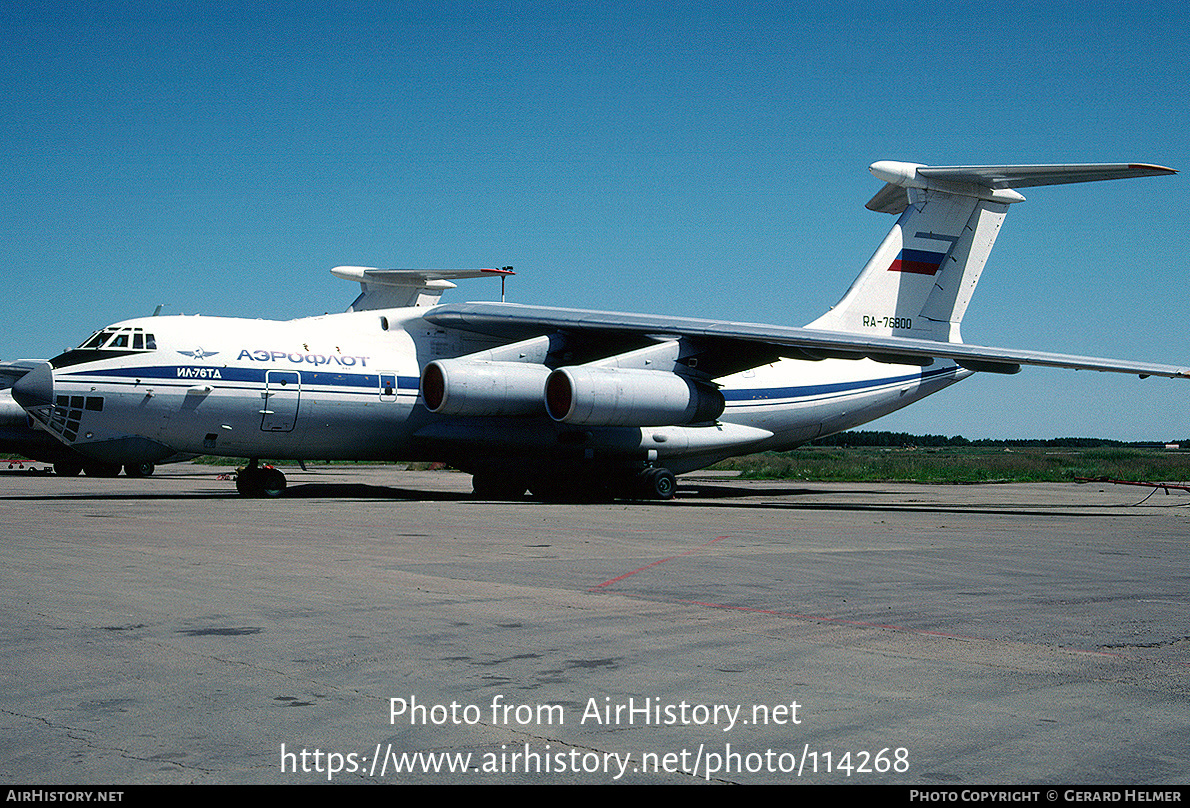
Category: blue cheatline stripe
<point>810,390</point>
<point>196,373</point>
<point>371,381</point>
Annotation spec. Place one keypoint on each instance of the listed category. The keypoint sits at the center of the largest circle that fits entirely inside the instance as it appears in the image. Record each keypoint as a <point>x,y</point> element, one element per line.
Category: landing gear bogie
<point>565,488</point>
<point>562,486</point>
<point>97,468</point>
<point>68,468</point>
<point>260,481</point>
<point>492,486</point>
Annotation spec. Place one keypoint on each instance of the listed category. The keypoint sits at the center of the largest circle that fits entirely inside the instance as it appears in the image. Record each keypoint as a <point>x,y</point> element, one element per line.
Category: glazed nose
<point>35,388</point>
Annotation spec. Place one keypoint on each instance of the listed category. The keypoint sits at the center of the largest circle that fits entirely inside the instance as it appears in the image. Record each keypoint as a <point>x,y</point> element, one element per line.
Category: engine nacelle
<point>601,396</point>
<point>471,387</point>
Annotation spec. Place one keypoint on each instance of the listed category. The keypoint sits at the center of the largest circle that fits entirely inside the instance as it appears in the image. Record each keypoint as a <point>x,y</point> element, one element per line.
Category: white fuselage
<point>346,386</point>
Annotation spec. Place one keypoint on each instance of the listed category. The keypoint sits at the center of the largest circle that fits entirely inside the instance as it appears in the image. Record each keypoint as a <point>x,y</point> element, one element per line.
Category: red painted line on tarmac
<point>656,563</point>
<point>820,619</point>
<point>815,618</point>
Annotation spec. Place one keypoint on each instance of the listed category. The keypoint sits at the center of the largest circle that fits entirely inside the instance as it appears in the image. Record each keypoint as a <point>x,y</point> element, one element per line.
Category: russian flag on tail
<point>919,262</point>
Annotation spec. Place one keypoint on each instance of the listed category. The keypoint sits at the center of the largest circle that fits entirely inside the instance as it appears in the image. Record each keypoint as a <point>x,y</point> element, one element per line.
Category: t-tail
<point>921,278</point>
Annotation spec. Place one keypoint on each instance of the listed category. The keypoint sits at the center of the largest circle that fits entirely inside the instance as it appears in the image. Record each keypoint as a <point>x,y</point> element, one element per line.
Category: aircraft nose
<point>35,388</point>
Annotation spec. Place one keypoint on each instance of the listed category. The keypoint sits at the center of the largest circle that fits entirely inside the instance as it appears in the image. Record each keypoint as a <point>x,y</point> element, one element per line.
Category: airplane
<point>568,404</point>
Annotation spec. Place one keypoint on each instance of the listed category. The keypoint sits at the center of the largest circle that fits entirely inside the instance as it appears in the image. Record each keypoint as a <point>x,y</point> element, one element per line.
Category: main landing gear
<point>656,483</point>
<point>568,485</point>
<point>73,467</point>
<point>260,481</point>
<point>491,485</point>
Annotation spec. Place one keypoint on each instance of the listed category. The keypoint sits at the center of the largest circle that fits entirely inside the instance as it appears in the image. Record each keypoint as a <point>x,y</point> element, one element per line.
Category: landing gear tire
<point>98,469</point>
<point>564,489</point>
<point>548,490</point>
<point>245,483</point>
<point>139,469</point>
<point>490,486</point>
<point>273,484</point>
<point>68,468</point>
<point>658,483</point>
<point>254,481</point>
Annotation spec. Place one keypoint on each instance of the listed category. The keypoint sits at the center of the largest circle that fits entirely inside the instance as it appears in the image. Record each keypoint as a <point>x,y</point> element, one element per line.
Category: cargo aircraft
<point>565,403</point>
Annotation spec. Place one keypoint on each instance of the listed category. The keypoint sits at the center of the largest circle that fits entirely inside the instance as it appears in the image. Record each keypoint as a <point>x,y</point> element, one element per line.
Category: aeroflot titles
<point>299,358</point>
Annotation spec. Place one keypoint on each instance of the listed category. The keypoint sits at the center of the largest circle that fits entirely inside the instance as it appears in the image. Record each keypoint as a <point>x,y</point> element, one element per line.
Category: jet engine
<point>604,396</point>
<point>479,388</point>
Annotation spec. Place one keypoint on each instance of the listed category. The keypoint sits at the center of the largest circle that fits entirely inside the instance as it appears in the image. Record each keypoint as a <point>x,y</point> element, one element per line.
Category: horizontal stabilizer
<point>993,183</point>
<point>920,280</point>
<point>1032,176</point>
<point>413,277</point>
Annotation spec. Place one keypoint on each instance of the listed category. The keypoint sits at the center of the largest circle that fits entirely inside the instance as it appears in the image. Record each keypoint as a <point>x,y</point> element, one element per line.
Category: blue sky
<point>702,159</point>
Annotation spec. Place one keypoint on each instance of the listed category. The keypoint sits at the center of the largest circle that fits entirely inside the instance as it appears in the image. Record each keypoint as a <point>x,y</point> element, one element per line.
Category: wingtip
<point>1155,170</point>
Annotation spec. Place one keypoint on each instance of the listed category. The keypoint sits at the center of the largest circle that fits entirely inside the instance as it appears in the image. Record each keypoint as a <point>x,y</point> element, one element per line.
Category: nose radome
<point>35,388</point>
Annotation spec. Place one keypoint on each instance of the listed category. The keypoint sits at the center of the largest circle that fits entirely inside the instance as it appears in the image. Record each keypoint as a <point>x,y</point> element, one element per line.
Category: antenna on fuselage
<point>504,277</point>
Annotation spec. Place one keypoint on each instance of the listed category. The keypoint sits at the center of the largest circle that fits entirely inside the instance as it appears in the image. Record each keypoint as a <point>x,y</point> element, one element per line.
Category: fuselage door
<point>281,396</point>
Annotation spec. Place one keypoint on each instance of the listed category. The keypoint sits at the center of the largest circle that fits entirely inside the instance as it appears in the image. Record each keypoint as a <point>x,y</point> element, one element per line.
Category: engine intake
<point>600,396</point>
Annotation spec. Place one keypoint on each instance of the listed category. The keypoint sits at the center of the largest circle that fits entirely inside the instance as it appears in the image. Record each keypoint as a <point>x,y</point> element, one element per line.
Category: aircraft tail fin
<point>921,278</point>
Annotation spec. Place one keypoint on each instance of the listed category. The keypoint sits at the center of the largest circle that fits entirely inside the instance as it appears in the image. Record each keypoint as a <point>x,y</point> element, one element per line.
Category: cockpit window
<point>97,340</point>
<point>121,339</point>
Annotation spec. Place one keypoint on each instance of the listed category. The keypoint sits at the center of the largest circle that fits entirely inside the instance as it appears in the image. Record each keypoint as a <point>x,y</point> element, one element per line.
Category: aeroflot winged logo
<point>919,262</point>
<point>199,353</point>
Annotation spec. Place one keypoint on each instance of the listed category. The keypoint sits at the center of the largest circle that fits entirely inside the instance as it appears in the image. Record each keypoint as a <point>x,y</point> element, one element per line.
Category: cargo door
<point>282,391</point>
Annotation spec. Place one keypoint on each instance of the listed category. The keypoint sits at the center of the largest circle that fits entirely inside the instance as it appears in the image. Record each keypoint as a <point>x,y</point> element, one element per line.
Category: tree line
<point>904,439</point>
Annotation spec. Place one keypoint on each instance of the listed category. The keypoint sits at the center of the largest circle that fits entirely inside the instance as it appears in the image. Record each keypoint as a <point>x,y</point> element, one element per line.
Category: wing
<point>753,342</point>
<point>11,372</point>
